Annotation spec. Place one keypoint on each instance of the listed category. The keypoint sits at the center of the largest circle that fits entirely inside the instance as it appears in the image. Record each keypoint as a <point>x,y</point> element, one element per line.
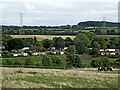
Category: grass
<point>58,78</point>
<point>37,60</point>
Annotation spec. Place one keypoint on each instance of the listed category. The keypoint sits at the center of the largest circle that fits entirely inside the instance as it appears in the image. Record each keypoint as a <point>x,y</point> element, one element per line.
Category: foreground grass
<point>58,78</point>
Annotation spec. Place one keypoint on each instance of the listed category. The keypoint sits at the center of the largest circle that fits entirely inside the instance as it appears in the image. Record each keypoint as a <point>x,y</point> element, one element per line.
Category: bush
<point>42,50</point>
<point>8,62</point>
<point>28,61</point>
<point>46,62</point>
<point>113,56</point>
<point>117,63</point>
<point>56,62</point>
<point>28,51</point>
<point>74,60</point>
<point>19,71</point>
<point>6,54</point>
<point>100,62</point>
<point>16,62</point>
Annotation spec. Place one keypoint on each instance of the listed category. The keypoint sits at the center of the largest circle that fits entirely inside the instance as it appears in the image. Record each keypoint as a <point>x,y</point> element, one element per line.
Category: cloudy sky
<point>57,12</point>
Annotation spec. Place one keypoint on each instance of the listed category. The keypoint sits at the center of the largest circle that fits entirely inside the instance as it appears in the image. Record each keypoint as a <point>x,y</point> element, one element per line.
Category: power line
<point>103,22</point>
<point>21,20</point>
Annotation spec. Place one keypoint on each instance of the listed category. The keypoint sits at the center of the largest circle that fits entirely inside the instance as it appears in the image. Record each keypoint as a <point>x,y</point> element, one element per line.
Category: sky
<point>57,12</point>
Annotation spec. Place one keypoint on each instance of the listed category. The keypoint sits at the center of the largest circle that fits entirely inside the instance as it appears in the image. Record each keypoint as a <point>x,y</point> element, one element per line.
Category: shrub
<point>19,71</point>
<point>16,62</point>
<point>56,62</point>
<point>28,61</point>
<point>28,51</point>
<point>74,60</point>
<point>42,50</point>
<point>32,72</point>
<point>8,62</point>
<point>46,62</point>
<point>117,63</point>
<point>100,62</point>
<point>6,54</point>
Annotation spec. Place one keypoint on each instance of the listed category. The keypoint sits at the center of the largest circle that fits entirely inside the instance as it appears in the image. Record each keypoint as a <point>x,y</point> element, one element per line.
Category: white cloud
<point>57,12</point>
<point>28,6</point>
<point>49,1</point>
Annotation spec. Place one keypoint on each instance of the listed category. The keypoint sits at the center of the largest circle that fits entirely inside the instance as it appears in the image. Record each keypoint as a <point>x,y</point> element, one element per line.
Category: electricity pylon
<point>21,30</point>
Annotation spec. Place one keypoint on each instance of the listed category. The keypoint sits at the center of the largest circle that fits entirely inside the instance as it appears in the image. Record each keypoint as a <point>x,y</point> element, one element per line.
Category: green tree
<point>113,42</point>
<point>46,61</point>
<point>35,40</point>
<point>81,42</point>
<point>102,42</point>
<point>5,38</point>
<point>46,43</point>
<point>14,44</point>
<point>39,44</point>
<point>74,60</point>
<point>91,35</point>
<point>98,32</point>
<point>58,42</point>
<point>100,62</point>
<point>95,48</point>
<point>68,42</point>
<point>6,54</point>
<point>56,62</point>
<point>28,61</point>
<point>71,49</point>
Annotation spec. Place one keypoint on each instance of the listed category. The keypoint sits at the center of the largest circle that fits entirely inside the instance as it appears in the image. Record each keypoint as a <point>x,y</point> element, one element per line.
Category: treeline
<point>71,61</point>
<point>82,43</point>
<point>64,30</point>
<point>97,24</point>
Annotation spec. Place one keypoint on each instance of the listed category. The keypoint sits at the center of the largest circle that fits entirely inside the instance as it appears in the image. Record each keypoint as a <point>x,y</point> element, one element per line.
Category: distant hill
<point>97,24</point>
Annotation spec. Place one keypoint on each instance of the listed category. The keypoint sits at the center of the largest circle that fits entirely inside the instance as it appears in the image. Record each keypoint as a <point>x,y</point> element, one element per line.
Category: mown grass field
<point>58,78</point>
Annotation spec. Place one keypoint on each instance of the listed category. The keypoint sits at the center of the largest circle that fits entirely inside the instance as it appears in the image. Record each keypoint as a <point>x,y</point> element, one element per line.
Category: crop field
<point>58,78</point>
<point>41,37</point>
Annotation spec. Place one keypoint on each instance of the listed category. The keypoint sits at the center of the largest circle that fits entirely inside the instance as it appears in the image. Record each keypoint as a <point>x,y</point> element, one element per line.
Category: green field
<point>37,60</point>
<point>58,78</point>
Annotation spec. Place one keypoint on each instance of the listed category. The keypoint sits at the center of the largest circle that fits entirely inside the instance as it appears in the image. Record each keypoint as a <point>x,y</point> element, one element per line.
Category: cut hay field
<point>58,78</point>
<point>41,37</point>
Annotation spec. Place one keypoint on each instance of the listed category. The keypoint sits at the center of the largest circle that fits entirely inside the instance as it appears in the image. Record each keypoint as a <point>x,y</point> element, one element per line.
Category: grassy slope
<point>58,78</point>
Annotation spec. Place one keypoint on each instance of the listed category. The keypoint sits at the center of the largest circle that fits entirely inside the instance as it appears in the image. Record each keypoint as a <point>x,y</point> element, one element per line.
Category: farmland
<point>41,37</point>
<point>58,78</point>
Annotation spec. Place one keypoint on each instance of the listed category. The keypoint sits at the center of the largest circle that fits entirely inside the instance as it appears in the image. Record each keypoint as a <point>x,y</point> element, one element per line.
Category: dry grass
<point>41,37</point>
<point>58,78</point>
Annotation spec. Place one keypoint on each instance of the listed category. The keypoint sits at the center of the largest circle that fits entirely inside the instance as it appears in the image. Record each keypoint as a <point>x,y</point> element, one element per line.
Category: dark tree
<point>46,43</point>
<point>58,42</point>
<point>113,42</point>
<point>68,42</point>
<point>95,48</point>
<point>14,44</point>
<point>74,60</point>
<point>71,49</point>
<point>100,62</point>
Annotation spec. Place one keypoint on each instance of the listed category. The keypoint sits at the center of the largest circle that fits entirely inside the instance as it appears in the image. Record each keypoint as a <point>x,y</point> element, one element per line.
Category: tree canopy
<point>14,44</point>
<point>81,42</point>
